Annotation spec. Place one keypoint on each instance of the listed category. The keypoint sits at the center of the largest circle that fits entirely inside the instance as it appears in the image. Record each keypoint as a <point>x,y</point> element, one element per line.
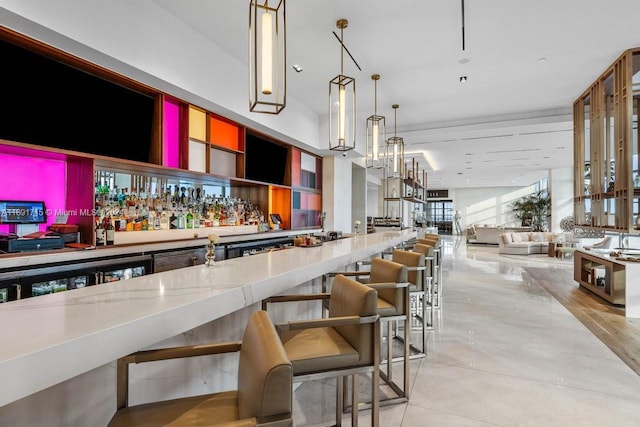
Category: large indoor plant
<point>533,209</point>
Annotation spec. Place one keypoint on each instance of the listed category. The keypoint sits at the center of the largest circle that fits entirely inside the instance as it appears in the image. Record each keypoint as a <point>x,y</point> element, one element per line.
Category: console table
<point>613,279</point>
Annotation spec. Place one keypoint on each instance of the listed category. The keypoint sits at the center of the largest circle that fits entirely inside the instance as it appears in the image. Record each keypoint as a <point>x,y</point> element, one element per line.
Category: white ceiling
<point>527,62</point>
<point>507,125</point>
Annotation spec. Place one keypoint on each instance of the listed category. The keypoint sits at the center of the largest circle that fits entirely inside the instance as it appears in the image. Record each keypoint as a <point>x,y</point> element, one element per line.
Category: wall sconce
<point>376,131</point>
<point>394,151</point>
<point>342,104</point>
<point>267,57</point>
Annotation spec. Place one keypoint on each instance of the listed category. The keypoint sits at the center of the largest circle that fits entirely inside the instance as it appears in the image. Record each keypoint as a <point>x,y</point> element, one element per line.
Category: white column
<point>336,192</point>
<point>561,189</point>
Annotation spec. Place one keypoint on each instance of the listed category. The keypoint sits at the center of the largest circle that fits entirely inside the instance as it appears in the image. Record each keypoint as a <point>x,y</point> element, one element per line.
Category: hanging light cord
<point>463,35</point>
<point>375,97</point>
<point>347,50</point>
<point>395,120</point>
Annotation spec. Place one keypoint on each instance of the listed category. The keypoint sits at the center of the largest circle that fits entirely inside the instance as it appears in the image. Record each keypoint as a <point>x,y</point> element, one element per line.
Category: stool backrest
<point>385,271</point>
<point>411,259</point>
<point>423,249</point>
<point>264,372</point>
<point>351,298</point>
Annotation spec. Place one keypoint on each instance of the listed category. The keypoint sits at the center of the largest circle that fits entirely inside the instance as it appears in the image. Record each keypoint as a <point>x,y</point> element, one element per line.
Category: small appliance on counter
<point>327,236</point>
<point>276,220</point>
<point>68,232</point>
<point>25,244</point>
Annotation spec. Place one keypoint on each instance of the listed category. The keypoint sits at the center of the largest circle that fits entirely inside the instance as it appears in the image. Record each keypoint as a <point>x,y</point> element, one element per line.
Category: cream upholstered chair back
<point>351,298</point>
<point>602,244</point>
<point>264,371</point>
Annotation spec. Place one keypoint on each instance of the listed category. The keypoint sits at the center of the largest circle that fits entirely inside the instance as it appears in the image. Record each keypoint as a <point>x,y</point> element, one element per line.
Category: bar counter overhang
<point>53,338</point>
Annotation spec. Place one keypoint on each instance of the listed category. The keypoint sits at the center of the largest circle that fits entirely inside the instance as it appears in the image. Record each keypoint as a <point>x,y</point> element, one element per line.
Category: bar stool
<point>437,284</point>
<point>390,279</point>
<point>263,397</point>
<point>347,343</point>
<point>420,288</point>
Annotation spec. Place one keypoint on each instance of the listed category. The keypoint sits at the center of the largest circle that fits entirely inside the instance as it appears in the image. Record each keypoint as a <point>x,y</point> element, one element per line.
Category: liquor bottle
<point>189,219</point>
<point>157,223</point>
<point>99,233</point>
<point>111,232</point>
<point>181,220</point>
<point>173,221</point>
<point>164,221</point>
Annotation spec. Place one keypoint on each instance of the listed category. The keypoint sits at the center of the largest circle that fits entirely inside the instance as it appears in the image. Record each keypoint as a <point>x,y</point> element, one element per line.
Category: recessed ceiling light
<point>463,79</point>
<point>463,60</point>
<point>297,67</point>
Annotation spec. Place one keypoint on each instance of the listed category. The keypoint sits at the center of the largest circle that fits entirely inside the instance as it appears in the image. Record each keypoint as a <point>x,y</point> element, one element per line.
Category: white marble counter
<point>21,260</point>
<point>52,338</point>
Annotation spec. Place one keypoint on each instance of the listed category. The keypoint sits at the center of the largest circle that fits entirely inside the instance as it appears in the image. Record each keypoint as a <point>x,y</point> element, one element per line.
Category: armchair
<point>263,397</point>
<point>344,344</point>
<point>390,280</point>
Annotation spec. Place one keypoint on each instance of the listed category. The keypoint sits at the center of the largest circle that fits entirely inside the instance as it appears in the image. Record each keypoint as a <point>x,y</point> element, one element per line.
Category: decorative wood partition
<point>606,176</point>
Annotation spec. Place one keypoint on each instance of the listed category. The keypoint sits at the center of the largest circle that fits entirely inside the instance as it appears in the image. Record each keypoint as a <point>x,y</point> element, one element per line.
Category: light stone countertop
<point>51,338</point>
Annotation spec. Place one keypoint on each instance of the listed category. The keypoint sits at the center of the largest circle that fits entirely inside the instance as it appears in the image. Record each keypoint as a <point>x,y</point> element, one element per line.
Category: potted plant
<point>532,210</point>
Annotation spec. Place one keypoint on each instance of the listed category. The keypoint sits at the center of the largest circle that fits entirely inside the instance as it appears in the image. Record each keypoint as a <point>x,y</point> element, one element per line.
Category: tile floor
<point>504,352</point>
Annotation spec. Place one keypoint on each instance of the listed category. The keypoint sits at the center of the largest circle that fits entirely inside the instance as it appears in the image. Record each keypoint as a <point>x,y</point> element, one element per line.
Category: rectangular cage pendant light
<point>267,56</point>
<point>394,151</point>
<point>342,104</point>
<point>376,133</point>
<point>342,100</point>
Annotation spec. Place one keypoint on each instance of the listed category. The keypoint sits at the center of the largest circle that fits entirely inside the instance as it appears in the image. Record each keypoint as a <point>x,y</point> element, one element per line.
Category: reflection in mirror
<point>135,202</point>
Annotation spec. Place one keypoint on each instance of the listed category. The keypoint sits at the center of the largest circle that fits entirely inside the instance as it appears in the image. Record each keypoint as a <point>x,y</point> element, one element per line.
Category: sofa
<point>489,235</point>
<point>525,243</point>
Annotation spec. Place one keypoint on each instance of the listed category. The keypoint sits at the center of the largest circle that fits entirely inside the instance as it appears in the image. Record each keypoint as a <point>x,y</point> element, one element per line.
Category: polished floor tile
<point>503,352</point>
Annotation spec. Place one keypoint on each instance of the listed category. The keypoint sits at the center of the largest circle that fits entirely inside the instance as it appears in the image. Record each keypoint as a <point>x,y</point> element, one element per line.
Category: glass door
<point>440,214</point>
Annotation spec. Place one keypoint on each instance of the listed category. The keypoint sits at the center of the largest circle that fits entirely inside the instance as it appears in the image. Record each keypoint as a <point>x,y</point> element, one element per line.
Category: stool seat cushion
<point>317,350</point>
<point>190,411</point>
<point>386,309</point>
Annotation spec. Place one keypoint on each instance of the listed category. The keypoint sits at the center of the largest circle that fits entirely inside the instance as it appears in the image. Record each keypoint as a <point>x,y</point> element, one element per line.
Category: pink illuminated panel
<point>30,178</point>
<point>171,132</point>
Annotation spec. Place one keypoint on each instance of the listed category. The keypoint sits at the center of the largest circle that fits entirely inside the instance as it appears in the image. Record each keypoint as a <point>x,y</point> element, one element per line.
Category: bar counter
<point>23,259</point>
<point>52,338</point>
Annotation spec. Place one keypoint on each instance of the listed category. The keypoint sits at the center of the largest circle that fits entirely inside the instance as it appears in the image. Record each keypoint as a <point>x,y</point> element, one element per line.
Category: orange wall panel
<point>224,134</point>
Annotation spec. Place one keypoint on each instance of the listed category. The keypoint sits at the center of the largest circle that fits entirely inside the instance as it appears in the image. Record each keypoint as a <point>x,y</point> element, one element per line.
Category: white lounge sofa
<point>525,243</point>
<point>490,235</point>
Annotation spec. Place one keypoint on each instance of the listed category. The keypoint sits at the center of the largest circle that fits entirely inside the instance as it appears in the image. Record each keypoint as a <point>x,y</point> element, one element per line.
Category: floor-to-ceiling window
<point>439,214</point>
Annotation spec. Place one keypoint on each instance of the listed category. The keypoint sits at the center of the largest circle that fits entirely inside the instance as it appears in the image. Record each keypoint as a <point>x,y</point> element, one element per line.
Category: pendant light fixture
<point>376,131</point>
<point>267,56</point>
<point>342,104</point>
<point>394,151</point>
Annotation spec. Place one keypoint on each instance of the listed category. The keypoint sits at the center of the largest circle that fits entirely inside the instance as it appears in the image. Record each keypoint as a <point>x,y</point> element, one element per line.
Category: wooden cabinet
<point>173,260</point>
<point>601,275</point>
<point>166,138</point>
<point>306,189</point>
